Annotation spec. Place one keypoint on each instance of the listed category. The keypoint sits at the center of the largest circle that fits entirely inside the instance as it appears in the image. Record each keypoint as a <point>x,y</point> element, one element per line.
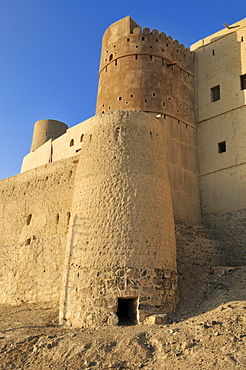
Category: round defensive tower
<point>45,130</point>
<point>121,253</point>
<point>145,71</point>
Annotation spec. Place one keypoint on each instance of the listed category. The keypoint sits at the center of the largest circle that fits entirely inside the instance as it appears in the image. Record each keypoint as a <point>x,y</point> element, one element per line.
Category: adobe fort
<point>90,221</point>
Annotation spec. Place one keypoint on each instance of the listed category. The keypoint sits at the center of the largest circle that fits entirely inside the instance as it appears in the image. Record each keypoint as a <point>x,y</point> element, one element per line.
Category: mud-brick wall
<point>35,211</point>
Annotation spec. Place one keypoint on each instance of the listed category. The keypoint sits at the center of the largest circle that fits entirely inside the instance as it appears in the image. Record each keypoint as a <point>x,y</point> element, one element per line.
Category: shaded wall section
<point>35,213</point>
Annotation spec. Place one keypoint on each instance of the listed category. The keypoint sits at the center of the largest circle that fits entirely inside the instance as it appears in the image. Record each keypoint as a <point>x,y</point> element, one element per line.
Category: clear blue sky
<point>50,50</point>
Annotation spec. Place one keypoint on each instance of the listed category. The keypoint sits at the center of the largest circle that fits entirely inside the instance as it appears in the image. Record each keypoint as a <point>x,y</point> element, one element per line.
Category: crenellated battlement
<point>137,41</point>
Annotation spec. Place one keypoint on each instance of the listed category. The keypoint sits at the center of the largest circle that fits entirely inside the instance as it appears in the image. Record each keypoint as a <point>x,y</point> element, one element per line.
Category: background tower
<point>46,129</point>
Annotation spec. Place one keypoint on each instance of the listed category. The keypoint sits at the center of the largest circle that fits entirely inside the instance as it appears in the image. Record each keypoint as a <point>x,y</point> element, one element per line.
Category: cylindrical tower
<point>121,253</point>
<point>145,71</point>
<point>46,129</point>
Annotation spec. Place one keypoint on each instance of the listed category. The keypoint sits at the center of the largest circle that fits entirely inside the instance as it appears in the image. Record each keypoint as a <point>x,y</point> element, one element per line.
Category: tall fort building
<point>89,222</point>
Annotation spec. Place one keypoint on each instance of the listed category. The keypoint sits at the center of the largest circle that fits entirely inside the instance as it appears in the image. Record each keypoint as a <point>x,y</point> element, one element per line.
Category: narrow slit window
<point>28,219</point>
<point>222,147</point>
<point>136,57</point>
<point>81,138</point>
<point>243,82</point>
<point>68,217</point>
<point>71,143</point>
<point>111,57</point>
<point>215,93</point>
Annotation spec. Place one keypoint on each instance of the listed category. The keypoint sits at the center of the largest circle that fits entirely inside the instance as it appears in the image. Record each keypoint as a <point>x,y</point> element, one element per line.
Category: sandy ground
<point>208,331</point>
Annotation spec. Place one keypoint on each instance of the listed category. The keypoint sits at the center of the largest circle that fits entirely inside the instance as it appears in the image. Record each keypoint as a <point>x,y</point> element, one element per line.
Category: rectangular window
<point>215,93</point>
<point>222,147</point>
<point>243,82</point>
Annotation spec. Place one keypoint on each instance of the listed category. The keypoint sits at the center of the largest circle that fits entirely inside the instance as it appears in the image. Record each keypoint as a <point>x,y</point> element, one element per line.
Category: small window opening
<point>222,147</point>
<point>119,98</point>
<point>127,311</point>
<point>68,217</point>
<point>81,138</point>
<point>126,102</point>
<point>151,58</point>
<point>150,134</point>
<point>110,57</point>
<point>71,143</point>
<point>127,40</point>
<point>153,94</point>
<point>213,52</point>
<point>90,137</point>
<point>150,47</point>
<point>243,82</point>
<point>145,100</point>
<point>136,57</point>
<point>57,217</point>
<point>164,104</point>
<point>131,95</point>
<point>28,219</point>
<point>156,40</point>
<point>106,69</point>
<point>215,93</point>
<point>115,63</point>
<point>136,46</point>
<point>142,38</point>
<point>28,241</point>
<point>242,38</point>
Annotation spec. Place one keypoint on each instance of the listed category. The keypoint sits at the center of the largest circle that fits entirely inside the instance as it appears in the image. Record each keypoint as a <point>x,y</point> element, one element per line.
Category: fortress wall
<point>35,212</point>
<point>121,241</point>
<point>220,59</point>
<point>181,156</point>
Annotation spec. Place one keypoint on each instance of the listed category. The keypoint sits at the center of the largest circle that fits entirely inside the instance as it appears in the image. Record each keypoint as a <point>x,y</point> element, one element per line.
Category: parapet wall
<point>35,213</point>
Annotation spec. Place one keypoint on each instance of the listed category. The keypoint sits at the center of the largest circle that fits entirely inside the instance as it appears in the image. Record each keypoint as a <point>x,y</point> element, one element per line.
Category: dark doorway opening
<point>127,311</point>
